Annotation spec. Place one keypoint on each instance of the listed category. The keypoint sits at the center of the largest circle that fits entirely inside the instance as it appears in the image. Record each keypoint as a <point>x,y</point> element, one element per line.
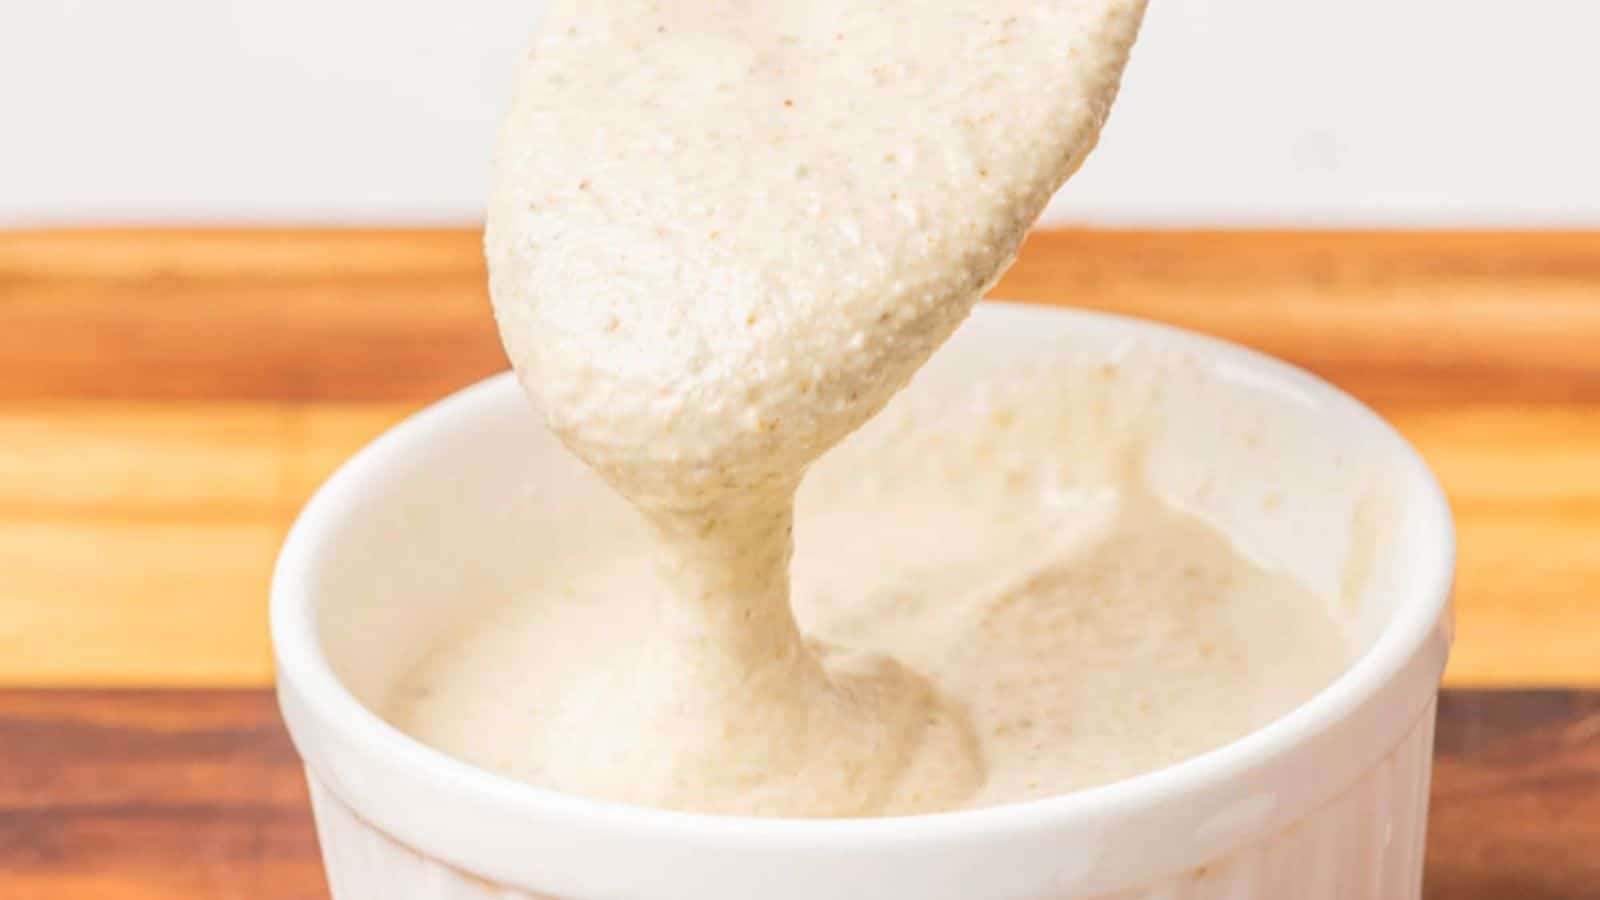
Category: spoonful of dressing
<point>722,235</point>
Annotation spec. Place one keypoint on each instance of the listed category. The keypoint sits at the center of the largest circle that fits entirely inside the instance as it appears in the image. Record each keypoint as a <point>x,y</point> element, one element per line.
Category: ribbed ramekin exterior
<point>363,863</point>
<point>1367,844</point>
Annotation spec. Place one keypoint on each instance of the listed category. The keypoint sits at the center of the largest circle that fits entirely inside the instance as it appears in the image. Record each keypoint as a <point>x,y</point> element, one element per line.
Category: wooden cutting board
<point>168,399</point>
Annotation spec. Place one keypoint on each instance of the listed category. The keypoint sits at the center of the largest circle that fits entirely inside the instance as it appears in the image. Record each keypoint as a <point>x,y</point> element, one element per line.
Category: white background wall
<point>1363,112</point>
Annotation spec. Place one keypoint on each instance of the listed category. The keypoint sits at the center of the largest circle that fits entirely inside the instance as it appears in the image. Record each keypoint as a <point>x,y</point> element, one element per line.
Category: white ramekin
<point>1326,803</point>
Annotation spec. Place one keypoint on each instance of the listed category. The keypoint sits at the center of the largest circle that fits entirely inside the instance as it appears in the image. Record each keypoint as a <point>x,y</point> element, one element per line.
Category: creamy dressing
<point>995,537</point>
<point>722,236</point>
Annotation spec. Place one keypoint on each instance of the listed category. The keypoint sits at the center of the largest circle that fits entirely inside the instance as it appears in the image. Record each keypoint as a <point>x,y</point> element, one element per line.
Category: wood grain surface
<point>152,795</point>
<point>169,399</point>
<point>170,795</point>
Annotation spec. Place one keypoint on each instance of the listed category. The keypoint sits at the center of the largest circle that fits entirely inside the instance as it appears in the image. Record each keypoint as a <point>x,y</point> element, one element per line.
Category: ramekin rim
<point>300,662</point>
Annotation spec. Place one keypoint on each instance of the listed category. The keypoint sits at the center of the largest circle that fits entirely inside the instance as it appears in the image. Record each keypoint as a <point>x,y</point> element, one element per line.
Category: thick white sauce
<point>722,235</point>
<point>996,538</point>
